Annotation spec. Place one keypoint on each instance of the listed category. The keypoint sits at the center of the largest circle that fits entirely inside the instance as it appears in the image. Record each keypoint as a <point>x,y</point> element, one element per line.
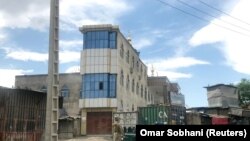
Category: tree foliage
<point>244,92</point>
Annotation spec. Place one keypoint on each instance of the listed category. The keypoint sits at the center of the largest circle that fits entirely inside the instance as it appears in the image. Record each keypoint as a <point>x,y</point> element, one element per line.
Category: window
<point>133,62</point>
<point>112,39</point>
<point>137,88</point>
<point>141,69</point>
<point>99,39</point>
<point>65,91</point>
<point>146,94</point>
<point>127,56</point>
<point>121,77</point>
<point>133,85</point>
<point>99,85</point>
<point>128,82</point>
<point>112,85</point>
<point>137,65</point>
<point>122,51</point>
<point>141,91</point>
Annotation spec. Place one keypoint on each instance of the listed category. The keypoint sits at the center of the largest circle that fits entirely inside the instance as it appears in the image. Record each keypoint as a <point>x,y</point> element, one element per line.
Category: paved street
<point>92,138</point>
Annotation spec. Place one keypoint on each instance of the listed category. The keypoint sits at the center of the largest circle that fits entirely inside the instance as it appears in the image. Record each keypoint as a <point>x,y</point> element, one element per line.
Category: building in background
<point>113,78</point>
<point>164,92</point>
<point>176,98</point>
<point>159,87</point>
<point>223,108</point>
<point>222,95</point>
<point>70,89</point>
<point>168,94</point>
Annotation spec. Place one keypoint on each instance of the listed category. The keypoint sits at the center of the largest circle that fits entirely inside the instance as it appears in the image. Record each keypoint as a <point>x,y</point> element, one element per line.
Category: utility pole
<point>52,107</point>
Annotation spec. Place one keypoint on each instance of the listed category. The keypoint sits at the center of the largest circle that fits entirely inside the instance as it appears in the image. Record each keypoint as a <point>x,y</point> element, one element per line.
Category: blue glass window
<point>65,91</point>
<point>100,85</point>
<point>99,39</point>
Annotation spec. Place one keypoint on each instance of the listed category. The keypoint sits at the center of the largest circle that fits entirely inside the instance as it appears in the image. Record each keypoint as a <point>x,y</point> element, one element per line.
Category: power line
<point>223,12</point>
<point>184,3</point>
<point>202,19</point>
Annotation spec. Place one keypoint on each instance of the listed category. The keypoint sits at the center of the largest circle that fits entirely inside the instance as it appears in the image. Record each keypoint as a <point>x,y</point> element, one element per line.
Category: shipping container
<point>153,115</point>
<point>220,120</point>
<point>160,114</point>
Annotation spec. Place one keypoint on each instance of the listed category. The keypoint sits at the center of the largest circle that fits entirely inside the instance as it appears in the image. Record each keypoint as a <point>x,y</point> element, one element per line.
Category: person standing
<point>118,130</point>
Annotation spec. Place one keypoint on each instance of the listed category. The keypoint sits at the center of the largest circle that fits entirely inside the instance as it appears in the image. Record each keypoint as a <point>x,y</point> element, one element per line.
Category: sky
<point>190,42</point>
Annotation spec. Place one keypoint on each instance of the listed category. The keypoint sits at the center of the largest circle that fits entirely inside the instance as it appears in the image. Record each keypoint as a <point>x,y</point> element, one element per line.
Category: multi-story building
<point>113,78</point>
<point>159,86</point>
<point>165,92</point>
<point>222,95</point>
<point>176,98</point>
<point>168,94</point>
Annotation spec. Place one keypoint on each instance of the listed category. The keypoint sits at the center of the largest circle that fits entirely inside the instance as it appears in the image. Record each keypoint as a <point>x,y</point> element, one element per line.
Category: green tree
<point>244,92</point>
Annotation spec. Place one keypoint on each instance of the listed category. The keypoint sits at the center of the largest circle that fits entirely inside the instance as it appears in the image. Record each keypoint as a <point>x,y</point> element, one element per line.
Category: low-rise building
<point>70,89</point>
<point>222,95</point>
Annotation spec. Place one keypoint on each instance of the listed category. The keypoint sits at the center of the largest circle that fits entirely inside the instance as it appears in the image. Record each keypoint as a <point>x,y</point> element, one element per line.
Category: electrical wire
<point>206,13</point>
<point>202,19</point>
<point>223,12</point>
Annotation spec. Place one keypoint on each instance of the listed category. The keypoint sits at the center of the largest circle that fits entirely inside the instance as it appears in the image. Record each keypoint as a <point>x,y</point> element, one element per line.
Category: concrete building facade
<point>113,78</point>
<point>222,95</point>
<point>159,86</point>
<point>165,92</point>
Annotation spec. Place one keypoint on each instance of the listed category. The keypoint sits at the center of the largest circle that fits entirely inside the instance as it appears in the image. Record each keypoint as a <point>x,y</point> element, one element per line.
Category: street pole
<point>52,106</point>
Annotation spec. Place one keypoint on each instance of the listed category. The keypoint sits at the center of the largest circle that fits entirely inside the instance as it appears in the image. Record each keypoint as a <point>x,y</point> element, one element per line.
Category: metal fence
<point>22,115</point>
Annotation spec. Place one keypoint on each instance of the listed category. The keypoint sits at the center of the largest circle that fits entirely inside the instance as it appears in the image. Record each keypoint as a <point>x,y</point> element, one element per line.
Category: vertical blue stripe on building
<point>99,85</point>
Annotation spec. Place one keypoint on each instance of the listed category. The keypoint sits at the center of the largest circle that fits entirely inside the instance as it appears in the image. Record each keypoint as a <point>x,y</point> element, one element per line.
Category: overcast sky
<point>188,41</point>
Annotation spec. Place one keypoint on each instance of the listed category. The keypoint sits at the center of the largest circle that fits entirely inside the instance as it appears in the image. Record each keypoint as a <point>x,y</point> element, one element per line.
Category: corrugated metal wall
<point>22,114</point>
